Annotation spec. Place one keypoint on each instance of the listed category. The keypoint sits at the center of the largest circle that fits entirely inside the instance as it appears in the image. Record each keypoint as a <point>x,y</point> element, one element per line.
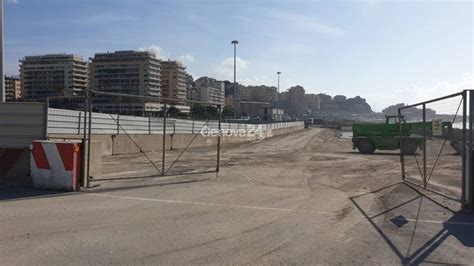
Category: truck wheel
<point>366,146</point>
<point>409,147</point>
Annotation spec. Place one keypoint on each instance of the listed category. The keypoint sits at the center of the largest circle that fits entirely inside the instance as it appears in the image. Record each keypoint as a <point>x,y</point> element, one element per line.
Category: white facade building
<point>209,90</point>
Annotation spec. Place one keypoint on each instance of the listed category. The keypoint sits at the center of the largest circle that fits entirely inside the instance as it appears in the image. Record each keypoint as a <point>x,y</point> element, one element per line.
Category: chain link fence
<point>130,136</point>
<point>434,146</point>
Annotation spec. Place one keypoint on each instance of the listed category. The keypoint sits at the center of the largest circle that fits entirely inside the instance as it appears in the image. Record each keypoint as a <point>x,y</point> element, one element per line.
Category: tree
<point>212,112</point>
<point>227,112</point>
<point>198,111</point>
<point>161,113</point>
<point>173,112</point>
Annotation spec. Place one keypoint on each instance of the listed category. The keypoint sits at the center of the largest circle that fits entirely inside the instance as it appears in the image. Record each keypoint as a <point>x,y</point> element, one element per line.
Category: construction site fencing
<point>63,121</point>
<point>122,141</point>
<point>435,146</point>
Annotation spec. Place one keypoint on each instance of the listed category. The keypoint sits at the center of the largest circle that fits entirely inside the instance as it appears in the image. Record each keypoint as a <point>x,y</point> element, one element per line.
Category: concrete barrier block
<point>56,165</point>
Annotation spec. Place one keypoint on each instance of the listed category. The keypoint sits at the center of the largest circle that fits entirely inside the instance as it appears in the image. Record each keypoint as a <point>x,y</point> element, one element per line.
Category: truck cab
<point>368,137</point>
<point>392,119</point>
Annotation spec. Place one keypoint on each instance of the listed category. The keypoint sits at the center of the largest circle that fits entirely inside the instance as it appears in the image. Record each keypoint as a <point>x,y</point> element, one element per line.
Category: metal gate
<point>131,136</point>
<point>435,143</point>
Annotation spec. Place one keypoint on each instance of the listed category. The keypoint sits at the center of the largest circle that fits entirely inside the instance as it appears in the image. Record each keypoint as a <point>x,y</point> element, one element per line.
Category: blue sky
<point>384,51</point>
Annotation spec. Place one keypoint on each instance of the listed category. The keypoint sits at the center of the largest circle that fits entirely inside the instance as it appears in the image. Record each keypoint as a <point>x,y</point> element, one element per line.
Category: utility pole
<point>235,42</point>
<point>278,93</point>
<point>2,79</point>
<point>278,88</point>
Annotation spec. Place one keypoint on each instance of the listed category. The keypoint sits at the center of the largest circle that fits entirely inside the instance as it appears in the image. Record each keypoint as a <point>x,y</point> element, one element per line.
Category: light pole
<point>278,88</point>
<point>235,42</point>
<point>2,78</point>
<point>278,91</point>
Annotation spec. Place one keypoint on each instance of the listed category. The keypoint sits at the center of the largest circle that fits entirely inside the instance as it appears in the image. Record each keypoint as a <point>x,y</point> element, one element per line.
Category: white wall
<point>62,121</point>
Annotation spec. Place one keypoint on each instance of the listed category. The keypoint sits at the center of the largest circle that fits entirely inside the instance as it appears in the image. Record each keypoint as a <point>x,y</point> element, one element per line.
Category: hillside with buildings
<point>298,103</point>
<point>167,81</point>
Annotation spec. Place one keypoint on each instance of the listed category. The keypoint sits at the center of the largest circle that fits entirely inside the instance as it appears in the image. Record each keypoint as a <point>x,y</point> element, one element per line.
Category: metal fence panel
<point>433,146</point>
<point>21,123</point>
<point>128,143</point>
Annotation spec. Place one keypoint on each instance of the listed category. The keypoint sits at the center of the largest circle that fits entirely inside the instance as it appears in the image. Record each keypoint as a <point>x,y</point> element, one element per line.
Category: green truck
<point>368,137</point>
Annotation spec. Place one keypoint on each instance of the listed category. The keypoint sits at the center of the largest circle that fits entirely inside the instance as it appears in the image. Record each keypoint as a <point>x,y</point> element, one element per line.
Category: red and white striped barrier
<point>56,165</point>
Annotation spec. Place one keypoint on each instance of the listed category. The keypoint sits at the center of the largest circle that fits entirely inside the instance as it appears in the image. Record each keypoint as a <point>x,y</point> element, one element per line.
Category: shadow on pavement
<point>461,226</point>
<point>128,187</point>
<point>373,154</point>
<point>414,224</point>
<point>19,193</point>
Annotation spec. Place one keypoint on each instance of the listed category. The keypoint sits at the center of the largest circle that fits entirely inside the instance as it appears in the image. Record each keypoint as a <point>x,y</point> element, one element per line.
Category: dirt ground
<point>444,167</point>
<point>319,157</point>
<point>301,198</point>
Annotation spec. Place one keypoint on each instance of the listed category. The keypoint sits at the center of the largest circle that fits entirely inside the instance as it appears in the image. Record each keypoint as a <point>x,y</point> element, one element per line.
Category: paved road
<point>303,198</point>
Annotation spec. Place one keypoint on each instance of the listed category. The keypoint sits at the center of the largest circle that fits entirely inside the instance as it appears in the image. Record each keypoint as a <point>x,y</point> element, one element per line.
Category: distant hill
<point>409,113</point>
<point>342,104</point>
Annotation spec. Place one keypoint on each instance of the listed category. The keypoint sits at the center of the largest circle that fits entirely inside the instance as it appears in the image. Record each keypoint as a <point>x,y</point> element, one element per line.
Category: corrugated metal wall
<point>20,123</point>
<point>62,121</point>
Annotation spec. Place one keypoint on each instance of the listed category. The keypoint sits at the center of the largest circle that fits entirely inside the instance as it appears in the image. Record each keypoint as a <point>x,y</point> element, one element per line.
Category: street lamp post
<point>235,42</point>
<point>278,91</point>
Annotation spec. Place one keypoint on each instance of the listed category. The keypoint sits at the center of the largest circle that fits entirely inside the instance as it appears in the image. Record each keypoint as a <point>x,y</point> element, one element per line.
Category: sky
<point>385,51</point>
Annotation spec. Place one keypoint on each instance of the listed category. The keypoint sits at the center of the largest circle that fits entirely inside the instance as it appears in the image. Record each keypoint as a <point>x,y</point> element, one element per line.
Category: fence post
<point>149,124</point>
<point>219,140</point>
<point>470,178</point>
<point>464,151</point>
<point>79,124</point>
<point>85,144</point>
<point>118,123</point>
<point>424,146</point>
<point>172,136</point>
<point>163,156</point>
<point>46,114</point>
<point>90,141</point>
<point>402,156</point>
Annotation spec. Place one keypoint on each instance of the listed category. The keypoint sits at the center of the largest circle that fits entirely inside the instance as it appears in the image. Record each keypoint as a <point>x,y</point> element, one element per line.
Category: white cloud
<point>225,70</point>
<point>247,73</point>
<point>157,50</point>
<point>186,59</point>
<point>193,75</point>
<point>164,55</point>
<point>13,1</point>
<point>258,80</point>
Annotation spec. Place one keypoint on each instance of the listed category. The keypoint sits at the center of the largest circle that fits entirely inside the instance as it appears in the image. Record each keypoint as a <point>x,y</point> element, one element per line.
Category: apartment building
<point>52,75</point>
<point>233,97</point>
<point>313,102</point>
<point>296,101</point>
<point>173,77</point>
<point>189,86</point>
<point>209,90</point>
<point>12,89</point>
<point>126,72</point>
<point>259,93</point>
